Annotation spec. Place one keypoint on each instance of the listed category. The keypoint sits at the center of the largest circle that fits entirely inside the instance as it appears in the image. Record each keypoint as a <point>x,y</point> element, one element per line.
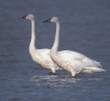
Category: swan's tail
<point>91,70</point>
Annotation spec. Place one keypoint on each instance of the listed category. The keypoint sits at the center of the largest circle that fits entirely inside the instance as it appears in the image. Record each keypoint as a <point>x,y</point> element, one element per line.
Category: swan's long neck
<point>33,37</point>
<point>56,42</point>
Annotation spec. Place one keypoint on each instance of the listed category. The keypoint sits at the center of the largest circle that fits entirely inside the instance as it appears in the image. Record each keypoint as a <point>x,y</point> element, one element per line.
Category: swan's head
<point>52,19</point>
<point>28,16</point>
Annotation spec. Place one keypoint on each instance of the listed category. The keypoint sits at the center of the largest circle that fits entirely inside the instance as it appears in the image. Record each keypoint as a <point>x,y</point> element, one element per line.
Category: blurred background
<point>85,28</point>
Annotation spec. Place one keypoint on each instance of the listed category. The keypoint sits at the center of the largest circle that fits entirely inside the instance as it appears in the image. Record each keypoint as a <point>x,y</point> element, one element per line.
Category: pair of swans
<point>54,60</point>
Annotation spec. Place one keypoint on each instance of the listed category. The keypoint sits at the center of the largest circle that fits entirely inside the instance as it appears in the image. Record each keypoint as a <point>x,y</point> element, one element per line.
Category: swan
<point>40,56</point>
<point>71,61</point>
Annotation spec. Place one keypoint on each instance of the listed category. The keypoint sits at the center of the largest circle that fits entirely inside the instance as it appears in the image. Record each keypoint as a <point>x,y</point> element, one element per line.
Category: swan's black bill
<point>47,20</point>
<point>24,17</point>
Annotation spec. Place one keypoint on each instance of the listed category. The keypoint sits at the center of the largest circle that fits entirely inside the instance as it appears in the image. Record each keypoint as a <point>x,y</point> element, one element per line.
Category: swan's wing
<point>78,58</point>
<point>44,55</point>
<point>71,55</point>
<point>80,62</point>
<point>43,52</point>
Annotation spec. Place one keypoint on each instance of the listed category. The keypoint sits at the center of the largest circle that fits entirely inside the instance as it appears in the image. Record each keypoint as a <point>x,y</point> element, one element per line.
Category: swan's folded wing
<point>70,55</point>
<point>78,58</point>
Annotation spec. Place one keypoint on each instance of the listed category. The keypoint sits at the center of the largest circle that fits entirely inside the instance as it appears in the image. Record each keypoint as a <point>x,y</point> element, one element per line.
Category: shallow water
<point>85,27</point>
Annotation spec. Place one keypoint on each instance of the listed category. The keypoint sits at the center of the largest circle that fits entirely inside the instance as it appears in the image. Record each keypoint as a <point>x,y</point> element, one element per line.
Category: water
<point>85,27</point>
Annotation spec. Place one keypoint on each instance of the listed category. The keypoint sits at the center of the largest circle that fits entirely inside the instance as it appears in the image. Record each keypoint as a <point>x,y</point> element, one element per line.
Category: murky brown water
<point>85,27</point>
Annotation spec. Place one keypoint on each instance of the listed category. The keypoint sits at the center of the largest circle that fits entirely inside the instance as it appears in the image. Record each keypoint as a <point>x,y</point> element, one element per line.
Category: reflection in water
<point>58,81</point>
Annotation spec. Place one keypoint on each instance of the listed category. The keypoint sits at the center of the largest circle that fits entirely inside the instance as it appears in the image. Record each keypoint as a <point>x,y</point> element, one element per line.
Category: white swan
<point>71,61</point>
<point>40,56</point>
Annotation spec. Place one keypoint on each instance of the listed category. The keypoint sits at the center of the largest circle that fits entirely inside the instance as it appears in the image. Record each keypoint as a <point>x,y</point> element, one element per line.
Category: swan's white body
<point>40,56</point>
<point>72,61</point>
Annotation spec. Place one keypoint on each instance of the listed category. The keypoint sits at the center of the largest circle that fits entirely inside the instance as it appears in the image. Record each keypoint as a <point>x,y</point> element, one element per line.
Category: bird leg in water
<point>50,73</point>
<point>74,76</point>
<point>54,73</point>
